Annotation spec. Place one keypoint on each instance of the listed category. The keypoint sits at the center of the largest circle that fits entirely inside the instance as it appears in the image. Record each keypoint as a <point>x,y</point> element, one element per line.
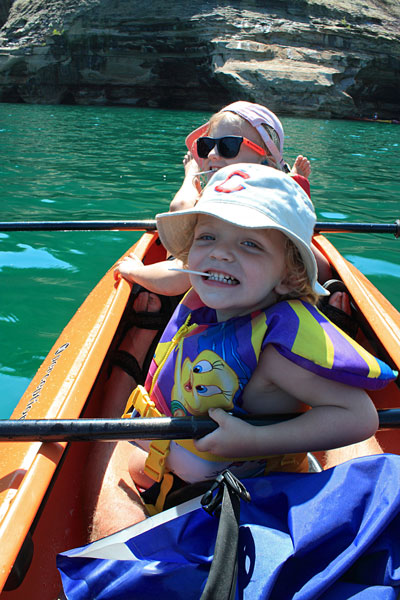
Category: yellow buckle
<point>155,462</point>
<point>141,401</point>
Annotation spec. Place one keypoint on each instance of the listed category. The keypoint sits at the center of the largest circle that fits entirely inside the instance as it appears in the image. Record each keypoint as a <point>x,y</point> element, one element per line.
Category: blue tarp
<point>333,535</point>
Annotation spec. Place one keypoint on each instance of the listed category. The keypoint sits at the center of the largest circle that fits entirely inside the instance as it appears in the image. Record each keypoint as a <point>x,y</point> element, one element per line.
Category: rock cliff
<point>325,58</point>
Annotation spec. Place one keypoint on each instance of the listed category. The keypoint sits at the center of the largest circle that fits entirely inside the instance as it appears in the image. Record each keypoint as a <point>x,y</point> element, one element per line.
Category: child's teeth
<point>223,278</point>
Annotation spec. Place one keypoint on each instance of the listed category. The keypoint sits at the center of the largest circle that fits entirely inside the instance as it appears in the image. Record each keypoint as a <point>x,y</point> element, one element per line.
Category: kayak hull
<point>40,495</point>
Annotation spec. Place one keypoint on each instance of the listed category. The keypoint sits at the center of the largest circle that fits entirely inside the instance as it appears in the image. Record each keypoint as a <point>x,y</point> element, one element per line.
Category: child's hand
<point>233,437</point>
<point>192,168</point>
<point>128,268</point>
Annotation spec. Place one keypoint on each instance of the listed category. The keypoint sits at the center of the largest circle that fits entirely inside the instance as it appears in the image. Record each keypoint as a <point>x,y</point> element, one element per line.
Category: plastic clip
<point>212,503</point>
<point>155,462</point>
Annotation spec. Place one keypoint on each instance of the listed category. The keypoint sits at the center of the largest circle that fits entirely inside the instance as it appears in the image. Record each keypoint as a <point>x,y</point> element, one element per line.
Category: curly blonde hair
<point>297,279</point>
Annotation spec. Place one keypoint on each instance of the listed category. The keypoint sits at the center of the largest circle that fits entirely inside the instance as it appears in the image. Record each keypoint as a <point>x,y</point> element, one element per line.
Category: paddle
<point>178,428</point>
<point>150,225</point>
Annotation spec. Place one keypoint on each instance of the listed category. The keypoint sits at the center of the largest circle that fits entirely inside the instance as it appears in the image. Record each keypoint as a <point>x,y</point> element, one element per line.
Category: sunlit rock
<point>311,58</point>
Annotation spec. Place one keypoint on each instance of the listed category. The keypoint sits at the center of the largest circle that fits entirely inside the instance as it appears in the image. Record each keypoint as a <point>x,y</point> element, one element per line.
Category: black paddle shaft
<point>359,227</point>
<point>150,225</point>
<point>177,428</point>
<point>70,430</point>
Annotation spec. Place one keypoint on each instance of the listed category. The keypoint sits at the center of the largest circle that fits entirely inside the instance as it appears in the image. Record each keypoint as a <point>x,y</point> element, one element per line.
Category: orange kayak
<point>40,503</point>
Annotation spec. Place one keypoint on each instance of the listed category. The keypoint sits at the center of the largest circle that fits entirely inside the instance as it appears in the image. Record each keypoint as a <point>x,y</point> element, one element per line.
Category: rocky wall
<point>300,57</point>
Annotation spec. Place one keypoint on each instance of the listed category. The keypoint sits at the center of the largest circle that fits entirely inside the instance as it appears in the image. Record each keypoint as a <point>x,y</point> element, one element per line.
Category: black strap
<point>348,323</point>
<point>221,581</point>
<point>128,363</point>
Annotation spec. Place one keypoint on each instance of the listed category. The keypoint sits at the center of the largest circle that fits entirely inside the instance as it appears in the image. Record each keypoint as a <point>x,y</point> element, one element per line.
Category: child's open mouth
<point>222,278</point>
<point>210,275</point>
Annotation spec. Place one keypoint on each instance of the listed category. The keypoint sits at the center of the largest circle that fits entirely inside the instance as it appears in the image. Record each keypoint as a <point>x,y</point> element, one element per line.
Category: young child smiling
<point>248,338</point>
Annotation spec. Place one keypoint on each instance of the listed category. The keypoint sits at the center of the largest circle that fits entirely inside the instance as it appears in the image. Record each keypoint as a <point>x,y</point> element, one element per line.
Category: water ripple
<point>32,258</point>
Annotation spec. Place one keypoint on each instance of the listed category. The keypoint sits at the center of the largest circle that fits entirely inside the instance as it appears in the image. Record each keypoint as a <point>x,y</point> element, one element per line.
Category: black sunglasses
<point>227,146</point>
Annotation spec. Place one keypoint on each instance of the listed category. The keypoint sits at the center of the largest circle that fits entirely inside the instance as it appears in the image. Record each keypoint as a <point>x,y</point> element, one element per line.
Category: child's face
<point>247,266</point>
<point>224,127</point>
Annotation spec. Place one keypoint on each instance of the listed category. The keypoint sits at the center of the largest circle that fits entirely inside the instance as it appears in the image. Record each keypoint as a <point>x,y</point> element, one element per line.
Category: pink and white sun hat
<point>250,196</point>
<point>257,115</point>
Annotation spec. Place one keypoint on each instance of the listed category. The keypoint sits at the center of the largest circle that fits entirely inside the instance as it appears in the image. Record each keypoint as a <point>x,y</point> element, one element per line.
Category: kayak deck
<point>40,482</point>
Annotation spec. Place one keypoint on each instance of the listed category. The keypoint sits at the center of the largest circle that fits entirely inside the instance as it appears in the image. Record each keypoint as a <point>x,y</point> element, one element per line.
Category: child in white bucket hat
<point>253,197</point>
<point>247,338</point>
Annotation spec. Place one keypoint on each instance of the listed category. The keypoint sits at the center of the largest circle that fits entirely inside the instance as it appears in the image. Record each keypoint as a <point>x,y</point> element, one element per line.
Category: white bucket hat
<point>251,196</point>
<point>257,115</point>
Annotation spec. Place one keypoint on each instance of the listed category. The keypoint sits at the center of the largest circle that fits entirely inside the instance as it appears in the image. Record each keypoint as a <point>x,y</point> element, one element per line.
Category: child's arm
<point>340,414</point>
<point>157,278</point>
<point>188,193</point>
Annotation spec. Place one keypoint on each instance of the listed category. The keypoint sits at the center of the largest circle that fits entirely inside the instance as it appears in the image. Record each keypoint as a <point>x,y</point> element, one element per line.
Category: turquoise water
<point>68,162</point>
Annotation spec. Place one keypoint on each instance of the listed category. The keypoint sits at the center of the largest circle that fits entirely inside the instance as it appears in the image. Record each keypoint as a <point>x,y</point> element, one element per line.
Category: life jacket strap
<point>155,462</point>
<point>165,487</point>
<point>141,402</point>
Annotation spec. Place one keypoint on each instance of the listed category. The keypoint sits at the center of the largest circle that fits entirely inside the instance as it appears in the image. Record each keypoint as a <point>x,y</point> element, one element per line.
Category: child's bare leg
<point>340,455</point>
<point>136,465</point>
<point>113,500</point>
<point>302,166</point>
<point>136,341</point>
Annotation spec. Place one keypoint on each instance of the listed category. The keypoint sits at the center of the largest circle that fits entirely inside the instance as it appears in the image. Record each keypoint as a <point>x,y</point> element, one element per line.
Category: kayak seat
<point>142,320</point>
<point>348,323</point>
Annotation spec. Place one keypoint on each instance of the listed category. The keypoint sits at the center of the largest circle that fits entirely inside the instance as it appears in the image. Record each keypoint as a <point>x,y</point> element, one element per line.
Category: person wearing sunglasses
<point>240,132</point>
